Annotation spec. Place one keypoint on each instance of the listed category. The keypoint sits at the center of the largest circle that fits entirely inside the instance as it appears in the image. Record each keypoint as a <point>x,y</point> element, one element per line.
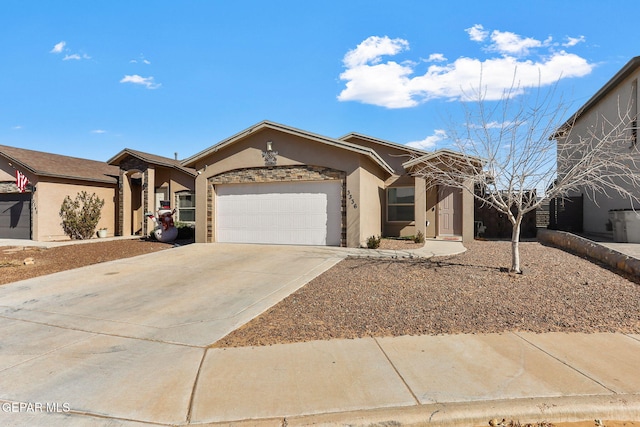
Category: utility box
<point>626,225</point>
<point>619,232</point>
<point>632,225</point>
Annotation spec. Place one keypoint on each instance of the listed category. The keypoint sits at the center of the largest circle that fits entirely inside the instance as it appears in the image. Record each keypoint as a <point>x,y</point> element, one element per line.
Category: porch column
<point>420,200</point>
<point>149,196</point>
<point>125,204</point>
<point>468,212</point>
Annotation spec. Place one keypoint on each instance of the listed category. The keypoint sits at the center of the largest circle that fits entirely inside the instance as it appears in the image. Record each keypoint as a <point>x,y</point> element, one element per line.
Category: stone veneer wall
<point>277,174</point>
<point>9,187</point>
<point>585,247</point>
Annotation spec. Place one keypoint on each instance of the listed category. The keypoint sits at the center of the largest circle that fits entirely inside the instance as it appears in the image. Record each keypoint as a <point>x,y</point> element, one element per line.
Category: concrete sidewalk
<point>438,380</point>
<point>461,380</point>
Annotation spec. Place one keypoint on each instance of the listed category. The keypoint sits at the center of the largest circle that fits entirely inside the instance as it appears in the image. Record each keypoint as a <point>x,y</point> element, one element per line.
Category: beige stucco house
<point>146,181</point>
<point>617,95</point>
<point>34,214</point>
<point>131,183</point>
<point>272,183</point>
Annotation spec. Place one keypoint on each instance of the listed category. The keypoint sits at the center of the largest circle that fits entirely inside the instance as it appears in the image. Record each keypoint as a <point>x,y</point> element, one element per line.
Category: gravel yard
<point>466,293</point>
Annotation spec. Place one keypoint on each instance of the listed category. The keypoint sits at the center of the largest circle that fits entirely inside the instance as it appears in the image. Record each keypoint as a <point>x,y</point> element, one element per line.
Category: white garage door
<point>293,213</point>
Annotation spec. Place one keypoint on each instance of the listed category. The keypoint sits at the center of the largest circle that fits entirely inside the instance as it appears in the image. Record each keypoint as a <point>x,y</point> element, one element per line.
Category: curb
<point>620,407</point>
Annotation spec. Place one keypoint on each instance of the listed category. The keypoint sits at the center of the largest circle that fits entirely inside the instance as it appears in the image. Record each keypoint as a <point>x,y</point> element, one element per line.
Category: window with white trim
<point>400,204</point>
<point>186,207</point>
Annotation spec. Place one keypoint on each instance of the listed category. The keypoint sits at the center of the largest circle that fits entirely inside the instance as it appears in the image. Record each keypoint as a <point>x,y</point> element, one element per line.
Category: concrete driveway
<point>125,339</point>
<point>192,295</point>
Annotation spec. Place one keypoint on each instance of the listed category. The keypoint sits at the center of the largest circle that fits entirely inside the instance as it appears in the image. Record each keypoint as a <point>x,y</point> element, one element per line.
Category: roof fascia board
<point>77,178</point>
<point>384,142</point>
<point>141,156</point>
<point>410,163</point>
<point>292,131</point>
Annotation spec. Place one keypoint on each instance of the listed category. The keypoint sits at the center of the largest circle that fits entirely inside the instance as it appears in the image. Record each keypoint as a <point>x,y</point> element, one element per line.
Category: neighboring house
<point>275,184</point>
<point>619,93</point>
<point>34,214</point>
<point>147,180</point>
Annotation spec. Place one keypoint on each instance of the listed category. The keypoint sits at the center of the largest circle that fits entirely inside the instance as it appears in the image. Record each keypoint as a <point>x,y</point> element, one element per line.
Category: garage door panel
<point>306,213</point>
<point>15,216</point>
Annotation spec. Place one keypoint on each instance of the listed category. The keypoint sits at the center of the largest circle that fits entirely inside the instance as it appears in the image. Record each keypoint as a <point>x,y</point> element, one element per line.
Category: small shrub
<point>185,231</point>
<point>419,237</point>
<point>373,242</point>
<point>80,216</point>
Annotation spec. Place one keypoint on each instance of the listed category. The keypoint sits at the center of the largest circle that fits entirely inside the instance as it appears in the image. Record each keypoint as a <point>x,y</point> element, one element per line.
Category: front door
<point>449,211</point>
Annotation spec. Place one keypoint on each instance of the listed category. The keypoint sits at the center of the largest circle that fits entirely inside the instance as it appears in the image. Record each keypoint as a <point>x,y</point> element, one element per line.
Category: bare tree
<point>518,152</point>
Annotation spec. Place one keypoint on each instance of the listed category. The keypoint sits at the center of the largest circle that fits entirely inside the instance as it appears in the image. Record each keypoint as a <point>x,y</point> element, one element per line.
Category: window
<point>186,207</point>
<point>161,196</point>
<point>400,204</point>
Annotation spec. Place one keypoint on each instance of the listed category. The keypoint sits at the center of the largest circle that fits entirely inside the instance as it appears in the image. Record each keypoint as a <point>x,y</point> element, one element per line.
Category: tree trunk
<point>515,250</point>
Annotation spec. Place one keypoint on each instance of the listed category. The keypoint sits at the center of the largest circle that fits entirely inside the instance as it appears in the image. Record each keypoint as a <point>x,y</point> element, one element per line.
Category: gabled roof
<point>622,74</point>
<point>375,157</point>
<point>441,152</point>
<point>59,166</point>
<point>151,158</point>
<point>383,142</point>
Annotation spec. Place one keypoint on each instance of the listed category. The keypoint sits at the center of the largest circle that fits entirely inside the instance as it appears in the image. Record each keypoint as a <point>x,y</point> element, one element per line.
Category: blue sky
<point>89,78</point>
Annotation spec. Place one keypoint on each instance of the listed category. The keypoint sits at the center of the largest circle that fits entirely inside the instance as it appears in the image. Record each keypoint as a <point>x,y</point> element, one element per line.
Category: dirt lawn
<point>52,260</point>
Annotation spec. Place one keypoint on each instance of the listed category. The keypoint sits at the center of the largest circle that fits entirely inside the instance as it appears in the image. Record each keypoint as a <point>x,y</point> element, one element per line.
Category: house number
<point>351,200</point>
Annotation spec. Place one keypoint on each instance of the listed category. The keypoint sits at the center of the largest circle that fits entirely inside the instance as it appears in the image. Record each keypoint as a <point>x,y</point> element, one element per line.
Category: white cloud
<point>148,82</point>
<point>61,47</point>
<point>142,60</point>
<point>17,127</point>
<point>477,33</point>
<point>436,57</point>
<point>429,142</point>
<point>370,81</point>
<point>509,43</point>
<point>58,48</point>
<point>372,49</point>
<point>390,84</point>
<point>572,41</point>
<point>76,57</point>
<point>99,131</point>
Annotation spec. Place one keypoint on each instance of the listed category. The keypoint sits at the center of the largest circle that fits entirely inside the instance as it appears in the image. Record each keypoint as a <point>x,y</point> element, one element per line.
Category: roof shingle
<point>59,166</point>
